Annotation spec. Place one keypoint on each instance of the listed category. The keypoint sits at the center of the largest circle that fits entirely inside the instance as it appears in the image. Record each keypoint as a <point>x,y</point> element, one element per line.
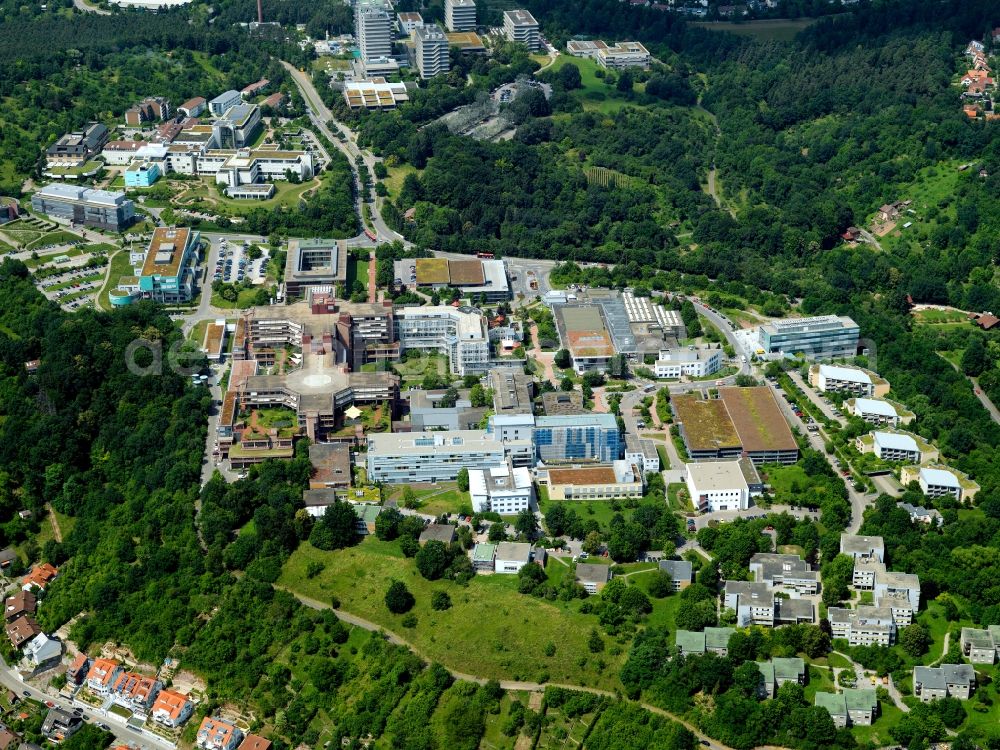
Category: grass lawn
<point>600,510</point>
<point>245,298</point>
<point>444,497</point>
<point>768,30</point>
<point>357,270</point>
<point>677,502</point>
<point>932,317</point>
<point>197,335</point>
<point>394,182</point>
<point>594,94</point>
<point>493,737</point>
<point>820,680</point>
<point>60,237</point>
<point>491,630</point>
<point>120,266</point>
<point>413,370</point>
<point>664,611</point>
<point>877,735</point>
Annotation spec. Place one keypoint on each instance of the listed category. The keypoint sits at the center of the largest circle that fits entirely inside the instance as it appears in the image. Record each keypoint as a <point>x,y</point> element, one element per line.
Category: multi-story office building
<point>430,456</point>
<point>717,485</point>
<point>521,27</point>
<point>408,21</point>
<point>431,50</point>
<point>827,336</point>
<point>314,264</point>
<point>598,482</point>
<point>460,333</point>
<point>70,204</point>
<point>373,30</point>
<point>503,489</point>
<point>237,127</point>
<point>691,361</point>
<point>577,437</point>
<point>167,272</point>
<point>785,571</point>
<point>460,15</point>
<point>224,101</point>
<point>642,453</point>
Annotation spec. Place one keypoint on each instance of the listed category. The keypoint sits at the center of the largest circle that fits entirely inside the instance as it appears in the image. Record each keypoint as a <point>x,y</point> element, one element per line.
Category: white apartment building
<point>896,446</point>
<point>623,55</point>
<point>431,50</point>
<point>864,626</point>
<point>752,602</point>
<point>717,485</point>
<point>224,101</point>
<point>642,454</point>
<point>856,380</point>
<point>373,31</point>
<point>980,646</point>
<point>460,15</point>
<point>460,333</point>
<point>521,27</point>
<point>502,489</point>
<point>875,411</point>
<point>862,547</point>
<point>865,571</point>
<point>890,583</point>
<point>945,681</point>
<point>690,361</point>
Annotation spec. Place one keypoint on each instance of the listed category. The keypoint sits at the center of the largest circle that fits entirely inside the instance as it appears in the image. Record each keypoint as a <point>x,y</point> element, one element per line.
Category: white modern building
<point>502,489</point>
<point>511,557</point>
<point>938,480</point>
<point>826,336</point>
<point>460,15</point>
<point>521,27</point>
<point>375,93</point>
<point>877,411</point>
<point>690,361</point>
<point>642,454</point>
<point>430,456</point>
<point>224,101</point>
<point>897,446</point>
<point>863,547</point>
<point>373,31</point>
<point>890,583</point>
<point>408,21</point>
<point>431,50</point>
<point>458,332</point>
<point>844,379</point>
<point>717,485</point>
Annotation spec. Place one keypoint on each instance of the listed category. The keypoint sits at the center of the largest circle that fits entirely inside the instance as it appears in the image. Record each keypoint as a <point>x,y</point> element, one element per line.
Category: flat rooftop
<point>757,418</point>
<point>520,17</point>
<point>583,475</point>
<point>166,251</point>
<point>585,331</point>
<point>707,424</point>
<point>432,271</point>
<point>716,475</point>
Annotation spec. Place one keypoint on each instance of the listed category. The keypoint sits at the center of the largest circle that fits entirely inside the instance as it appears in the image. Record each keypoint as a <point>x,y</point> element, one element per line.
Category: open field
<point>394,182</point>
<point>595,94</point>
<point>491,630</point>
<point>767,30</point>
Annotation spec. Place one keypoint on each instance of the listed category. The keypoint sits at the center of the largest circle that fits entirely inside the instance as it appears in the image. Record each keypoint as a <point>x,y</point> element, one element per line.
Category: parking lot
<point>234,266</point>
<point>70,275</point>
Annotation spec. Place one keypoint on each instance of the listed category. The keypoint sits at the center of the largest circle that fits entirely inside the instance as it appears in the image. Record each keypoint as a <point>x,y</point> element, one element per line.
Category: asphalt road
<point>10,679</point>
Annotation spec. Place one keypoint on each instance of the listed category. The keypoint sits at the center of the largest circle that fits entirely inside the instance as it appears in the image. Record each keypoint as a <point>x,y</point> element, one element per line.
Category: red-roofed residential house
<point>102,675</point>
<point>172,708</point>
<point>76,673</point>
<point>135,691</point>
<point>40,576</point>
<point>217,734</point>
<point>255,742</point>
